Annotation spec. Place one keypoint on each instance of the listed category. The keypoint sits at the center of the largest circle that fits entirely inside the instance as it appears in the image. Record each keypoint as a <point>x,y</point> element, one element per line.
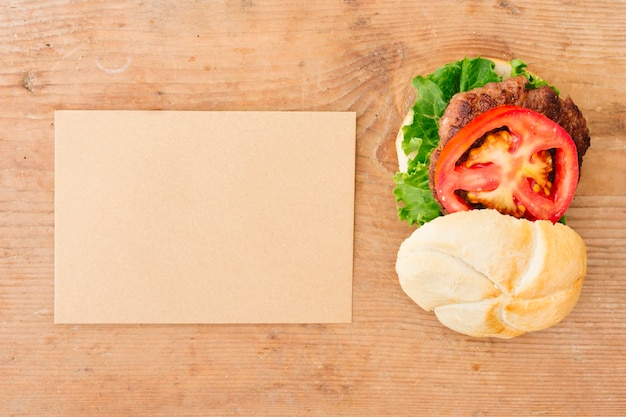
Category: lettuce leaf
<point>434,91</point>
<point>518,67</point>
<point>414,189</point>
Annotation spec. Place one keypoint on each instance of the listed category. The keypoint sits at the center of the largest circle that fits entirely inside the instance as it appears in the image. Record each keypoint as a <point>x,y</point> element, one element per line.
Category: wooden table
<point>394,359</point>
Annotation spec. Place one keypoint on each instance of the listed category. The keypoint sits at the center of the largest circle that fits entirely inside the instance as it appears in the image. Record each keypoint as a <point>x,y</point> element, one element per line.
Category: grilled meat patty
<point>465,106</point>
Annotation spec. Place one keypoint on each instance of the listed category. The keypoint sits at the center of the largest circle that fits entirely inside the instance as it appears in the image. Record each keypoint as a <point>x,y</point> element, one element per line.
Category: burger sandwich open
<point>489,136</point>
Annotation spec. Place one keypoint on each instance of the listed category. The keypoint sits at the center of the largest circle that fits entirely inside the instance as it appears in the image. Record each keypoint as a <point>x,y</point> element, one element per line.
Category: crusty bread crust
<point>485,274</point>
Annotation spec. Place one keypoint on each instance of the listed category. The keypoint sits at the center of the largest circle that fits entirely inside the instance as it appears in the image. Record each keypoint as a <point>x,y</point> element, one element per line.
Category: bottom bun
<point>485,274</point>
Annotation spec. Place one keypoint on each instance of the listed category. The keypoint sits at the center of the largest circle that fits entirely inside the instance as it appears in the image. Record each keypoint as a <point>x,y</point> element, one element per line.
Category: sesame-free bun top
<point>486,274</point>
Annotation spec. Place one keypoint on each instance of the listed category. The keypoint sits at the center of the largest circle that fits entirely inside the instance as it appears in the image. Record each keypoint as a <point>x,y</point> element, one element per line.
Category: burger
<point>489,159</point>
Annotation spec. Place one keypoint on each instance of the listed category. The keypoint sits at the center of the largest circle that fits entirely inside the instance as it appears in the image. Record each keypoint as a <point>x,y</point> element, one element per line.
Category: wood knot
<point>28,81</point>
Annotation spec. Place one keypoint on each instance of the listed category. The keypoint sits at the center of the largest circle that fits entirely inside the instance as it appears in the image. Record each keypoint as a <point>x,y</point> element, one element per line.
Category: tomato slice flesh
<point>512,159</point>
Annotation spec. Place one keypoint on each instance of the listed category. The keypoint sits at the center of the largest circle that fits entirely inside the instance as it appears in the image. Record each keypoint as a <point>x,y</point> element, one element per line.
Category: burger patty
<point>465,106</point>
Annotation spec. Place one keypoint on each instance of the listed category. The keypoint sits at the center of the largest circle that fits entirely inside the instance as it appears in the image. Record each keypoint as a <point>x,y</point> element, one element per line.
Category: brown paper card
<point>204,217</point>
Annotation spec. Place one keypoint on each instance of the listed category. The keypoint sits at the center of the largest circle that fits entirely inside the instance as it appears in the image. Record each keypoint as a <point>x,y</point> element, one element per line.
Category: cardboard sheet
<point>204,217</point>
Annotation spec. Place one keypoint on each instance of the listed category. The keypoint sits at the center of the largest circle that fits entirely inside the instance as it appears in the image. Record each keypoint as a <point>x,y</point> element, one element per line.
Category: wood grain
<point>395,359</point>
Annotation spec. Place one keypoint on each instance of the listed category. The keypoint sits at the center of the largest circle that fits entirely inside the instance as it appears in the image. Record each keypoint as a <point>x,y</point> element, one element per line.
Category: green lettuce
<point>434,91</point>
<point>518,67</point>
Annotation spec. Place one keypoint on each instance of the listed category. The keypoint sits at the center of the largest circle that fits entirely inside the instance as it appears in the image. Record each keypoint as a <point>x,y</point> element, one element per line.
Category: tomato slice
<point>511,159</point>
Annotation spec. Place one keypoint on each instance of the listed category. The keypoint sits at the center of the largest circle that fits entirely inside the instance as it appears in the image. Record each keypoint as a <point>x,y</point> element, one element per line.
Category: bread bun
<point>502,68</point>
<point>485,274</point>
